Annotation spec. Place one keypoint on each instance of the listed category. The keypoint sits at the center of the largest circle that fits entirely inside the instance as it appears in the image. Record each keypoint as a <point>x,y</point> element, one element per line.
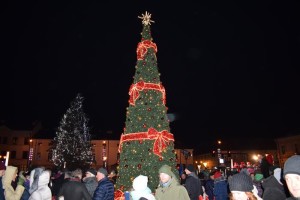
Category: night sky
<point>230,68</point>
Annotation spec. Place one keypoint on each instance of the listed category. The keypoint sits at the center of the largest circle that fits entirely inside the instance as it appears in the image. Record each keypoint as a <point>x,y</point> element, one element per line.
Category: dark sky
<point>230,68</point>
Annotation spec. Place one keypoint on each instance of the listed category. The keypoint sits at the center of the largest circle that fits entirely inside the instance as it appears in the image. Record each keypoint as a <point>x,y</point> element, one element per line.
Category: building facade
<point>287,146</point>
<point>27,151</point>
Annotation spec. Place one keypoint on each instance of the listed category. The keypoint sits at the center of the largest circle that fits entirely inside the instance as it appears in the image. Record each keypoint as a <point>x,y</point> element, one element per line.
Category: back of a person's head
<point>77,173</point>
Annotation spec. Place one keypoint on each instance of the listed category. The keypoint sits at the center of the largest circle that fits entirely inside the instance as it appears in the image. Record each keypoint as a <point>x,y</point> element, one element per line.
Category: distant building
<point>26,150</point>
<point>287,146</point>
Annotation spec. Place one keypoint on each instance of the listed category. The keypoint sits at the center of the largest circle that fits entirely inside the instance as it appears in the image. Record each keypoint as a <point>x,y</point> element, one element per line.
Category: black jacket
<point>74,190</point>
<point>193,186</point>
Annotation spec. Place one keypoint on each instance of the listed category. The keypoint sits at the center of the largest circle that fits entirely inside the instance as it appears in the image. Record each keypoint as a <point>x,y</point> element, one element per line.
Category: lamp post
<point>30,154</point>
<point>104,156</point>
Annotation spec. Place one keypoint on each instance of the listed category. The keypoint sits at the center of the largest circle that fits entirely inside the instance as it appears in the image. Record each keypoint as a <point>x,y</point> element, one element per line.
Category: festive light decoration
<point>72,146</point>
<point>146,143</point>
<point>143,47</point>
<point>162,139</point>
<point>135,89</point>
<point>146,18</point>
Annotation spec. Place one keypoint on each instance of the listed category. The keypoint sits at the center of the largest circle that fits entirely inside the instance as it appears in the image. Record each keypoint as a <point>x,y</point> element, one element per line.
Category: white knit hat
<point>140,183</point>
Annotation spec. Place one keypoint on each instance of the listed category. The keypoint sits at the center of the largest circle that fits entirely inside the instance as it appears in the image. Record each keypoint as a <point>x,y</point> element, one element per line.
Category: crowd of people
<point>244,184</point>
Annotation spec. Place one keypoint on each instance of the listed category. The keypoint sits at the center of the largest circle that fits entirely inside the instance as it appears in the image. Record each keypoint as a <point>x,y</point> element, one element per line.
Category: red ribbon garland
<point>134,90</point>
<point>119,195</point>
<point>142,48</point>
<point>162,139</point>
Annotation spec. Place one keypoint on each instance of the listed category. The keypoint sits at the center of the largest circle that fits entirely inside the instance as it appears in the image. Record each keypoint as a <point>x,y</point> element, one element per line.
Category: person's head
<point>90,173</point>
<point>183,176</point>
<point>112,174</point>
<point>189,169</point>
<point>77,173</point>
<point>239,185</point>
<point>140,183</point>
<point>217,175</point>
<point>101,173</point>
<point>242,196</point>
<point>165,174</point>
<point>291,174</point>
<point>2,168</point>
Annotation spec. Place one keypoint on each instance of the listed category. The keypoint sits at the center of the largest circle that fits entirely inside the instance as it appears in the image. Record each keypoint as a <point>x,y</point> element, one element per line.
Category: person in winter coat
<point>74,189</point>
<point>220,186</point>
<point>273,187</point>
<point>193,184</point>
<point>26,176</point>
<point>140,189</point>
<point>105,188</point>
<point>241,187</point>
<point>9,192</point>
<point>291,174</point>
<point>39,180</point>
<point>169,187</point>
<point>257,182</point>
<point>209,186</point>
<point>90,181</point>
<point>2,171</point>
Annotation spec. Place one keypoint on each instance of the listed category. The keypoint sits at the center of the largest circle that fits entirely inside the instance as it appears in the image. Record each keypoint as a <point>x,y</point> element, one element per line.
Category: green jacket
<point>173,191</point>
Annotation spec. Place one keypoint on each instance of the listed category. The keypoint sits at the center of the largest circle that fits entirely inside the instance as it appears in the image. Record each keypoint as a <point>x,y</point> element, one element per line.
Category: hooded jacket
<point>42,192</point>
<point>172,190</point>
<point>273,190</point>
<point>9,192</point>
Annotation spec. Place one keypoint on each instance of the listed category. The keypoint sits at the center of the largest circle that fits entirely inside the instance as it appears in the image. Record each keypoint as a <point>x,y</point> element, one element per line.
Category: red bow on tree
<point>161,140</point>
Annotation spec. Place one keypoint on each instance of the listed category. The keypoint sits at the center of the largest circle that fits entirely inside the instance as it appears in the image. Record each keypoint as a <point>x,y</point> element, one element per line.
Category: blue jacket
<point>1,190</point>
<point>104,190</point>
<point>220,189</point>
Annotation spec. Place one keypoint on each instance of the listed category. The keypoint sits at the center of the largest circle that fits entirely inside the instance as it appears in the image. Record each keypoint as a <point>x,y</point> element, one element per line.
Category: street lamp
<point>104,156</point>
<point>30,154</point>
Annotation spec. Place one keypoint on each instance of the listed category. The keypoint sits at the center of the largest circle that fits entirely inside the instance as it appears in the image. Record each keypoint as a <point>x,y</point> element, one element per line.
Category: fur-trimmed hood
<point>8,176</point>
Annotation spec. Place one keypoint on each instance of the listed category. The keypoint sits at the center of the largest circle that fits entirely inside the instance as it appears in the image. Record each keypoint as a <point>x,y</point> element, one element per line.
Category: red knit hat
<point>2,166</point>
<point>217,174</point>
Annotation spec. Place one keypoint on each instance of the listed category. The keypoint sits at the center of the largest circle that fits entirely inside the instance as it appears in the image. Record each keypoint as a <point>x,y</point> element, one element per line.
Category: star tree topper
<point>146,18</point>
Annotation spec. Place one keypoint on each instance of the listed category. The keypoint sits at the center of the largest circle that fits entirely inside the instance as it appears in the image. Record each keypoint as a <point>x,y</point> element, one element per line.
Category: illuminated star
<point>146,18</point>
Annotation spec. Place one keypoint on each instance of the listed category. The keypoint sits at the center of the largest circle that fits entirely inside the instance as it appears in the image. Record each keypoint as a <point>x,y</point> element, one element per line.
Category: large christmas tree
<point>146,143</point>
<point>72,147</point>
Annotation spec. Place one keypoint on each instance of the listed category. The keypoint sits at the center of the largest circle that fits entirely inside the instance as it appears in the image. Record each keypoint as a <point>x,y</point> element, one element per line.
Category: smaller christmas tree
<point>72,147</point>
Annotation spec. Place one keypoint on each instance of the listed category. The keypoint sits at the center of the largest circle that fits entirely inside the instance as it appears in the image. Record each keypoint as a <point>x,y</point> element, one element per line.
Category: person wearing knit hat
<point>220,186</point>
<point>169,187</point>
<point>291,174</point>
<point>140,188</point>
<point>2,171</point>
<point>91,172</point>
<point>193,184</point>
<point>90,181</point>
<point>241,186</point>
<point>105,187</point>
<point>257,182</point>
